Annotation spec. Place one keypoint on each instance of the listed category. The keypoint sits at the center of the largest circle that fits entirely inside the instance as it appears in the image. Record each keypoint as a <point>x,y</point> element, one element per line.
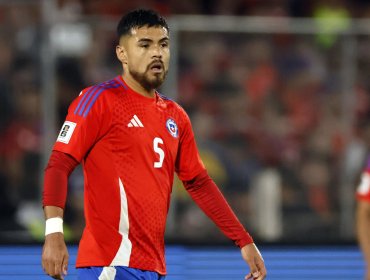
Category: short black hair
<point>139,18</point>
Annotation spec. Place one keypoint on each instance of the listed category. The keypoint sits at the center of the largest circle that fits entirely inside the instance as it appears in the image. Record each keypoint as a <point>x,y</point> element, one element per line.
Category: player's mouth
<point>156,67</point>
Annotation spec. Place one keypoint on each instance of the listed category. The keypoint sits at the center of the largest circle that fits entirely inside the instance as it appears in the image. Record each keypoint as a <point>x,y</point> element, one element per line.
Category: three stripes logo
<point>135,122</point>
<point>91,95</point>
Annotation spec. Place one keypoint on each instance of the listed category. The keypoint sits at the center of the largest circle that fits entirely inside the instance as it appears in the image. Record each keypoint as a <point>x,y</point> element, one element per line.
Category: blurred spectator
<point>6,59</point>
<point>331,16</point>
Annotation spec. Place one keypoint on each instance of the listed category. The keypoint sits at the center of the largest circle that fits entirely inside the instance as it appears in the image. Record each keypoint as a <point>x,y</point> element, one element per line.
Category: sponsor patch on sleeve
<point>66,132</point>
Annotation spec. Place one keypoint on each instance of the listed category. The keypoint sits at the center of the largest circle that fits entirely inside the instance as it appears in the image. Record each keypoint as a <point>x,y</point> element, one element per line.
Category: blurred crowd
<point>275,103</point>
<point>269,113</point>
<point>291,8</point>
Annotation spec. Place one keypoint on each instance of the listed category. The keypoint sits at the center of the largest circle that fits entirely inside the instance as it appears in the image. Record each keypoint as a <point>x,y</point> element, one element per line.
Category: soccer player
<point>130,140</point>
<point>363,216</point>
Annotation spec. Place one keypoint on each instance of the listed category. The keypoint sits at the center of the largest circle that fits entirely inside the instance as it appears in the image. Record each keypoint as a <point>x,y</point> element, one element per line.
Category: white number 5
<point>159,151</point>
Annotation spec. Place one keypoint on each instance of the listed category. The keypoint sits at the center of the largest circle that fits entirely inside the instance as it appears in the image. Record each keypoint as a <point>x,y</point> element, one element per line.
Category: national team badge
<point>172,128</point>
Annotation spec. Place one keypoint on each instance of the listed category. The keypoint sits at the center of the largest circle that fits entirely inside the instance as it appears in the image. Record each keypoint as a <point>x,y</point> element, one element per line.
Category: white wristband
<point>53,225</point>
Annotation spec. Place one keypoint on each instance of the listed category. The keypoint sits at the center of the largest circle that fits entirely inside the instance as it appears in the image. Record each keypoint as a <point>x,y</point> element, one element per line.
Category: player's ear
<point>121,53</point>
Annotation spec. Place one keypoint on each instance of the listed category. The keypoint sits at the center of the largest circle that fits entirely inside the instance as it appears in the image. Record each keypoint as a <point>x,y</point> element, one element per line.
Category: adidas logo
<point>135,122</point>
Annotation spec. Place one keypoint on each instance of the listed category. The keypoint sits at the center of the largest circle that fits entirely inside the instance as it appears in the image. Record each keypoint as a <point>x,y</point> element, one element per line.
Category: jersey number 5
<point>159,151</point>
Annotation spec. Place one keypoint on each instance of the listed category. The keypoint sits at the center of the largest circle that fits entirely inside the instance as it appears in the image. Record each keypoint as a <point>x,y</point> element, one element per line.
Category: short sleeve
<point>188,161</point>
<point>87,121</point>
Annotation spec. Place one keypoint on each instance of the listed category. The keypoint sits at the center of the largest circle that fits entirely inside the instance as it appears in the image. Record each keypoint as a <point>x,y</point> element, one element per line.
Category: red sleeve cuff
<point>244,241</point>
<point>362,197</point>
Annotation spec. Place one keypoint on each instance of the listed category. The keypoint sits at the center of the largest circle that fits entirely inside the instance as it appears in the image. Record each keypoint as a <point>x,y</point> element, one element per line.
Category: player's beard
<point>149,83</point>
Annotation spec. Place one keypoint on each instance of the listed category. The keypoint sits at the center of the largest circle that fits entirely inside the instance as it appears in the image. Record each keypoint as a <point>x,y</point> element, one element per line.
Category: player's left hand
<point>255,262</point>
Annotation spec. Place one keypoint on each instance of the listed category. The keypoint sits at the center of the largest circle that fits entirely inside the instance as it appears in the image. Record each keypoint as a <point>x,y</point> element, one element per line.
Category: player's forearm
<point>209,198</point>
<point>53,212</point>
<point>54,221</point>
<point>363,228</point>
<point>56,176</point>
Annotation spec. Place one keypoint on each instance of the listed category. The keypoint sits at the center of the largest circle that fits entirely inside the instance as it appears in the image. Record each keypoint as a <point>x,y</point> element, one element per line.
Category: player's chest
<point>143,128</point>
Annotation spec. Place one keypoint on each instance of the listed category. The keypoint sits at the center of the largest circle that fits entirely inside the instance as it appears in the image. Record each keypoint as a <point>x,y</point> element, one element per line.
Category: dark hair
<point>139,18</point>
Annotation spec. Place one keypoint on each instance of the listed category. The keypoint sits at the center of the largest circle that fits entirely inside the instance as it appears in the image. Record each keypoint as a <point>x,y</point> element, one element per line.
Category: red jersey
<point>130,147</point>
<point>363,190</point>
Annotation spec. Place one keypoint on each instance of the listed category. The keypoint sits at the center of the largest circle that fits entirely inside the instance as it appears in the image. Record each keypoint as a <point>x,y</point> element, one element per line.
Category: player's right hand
<point>253,258</point>
<point>55,256</point>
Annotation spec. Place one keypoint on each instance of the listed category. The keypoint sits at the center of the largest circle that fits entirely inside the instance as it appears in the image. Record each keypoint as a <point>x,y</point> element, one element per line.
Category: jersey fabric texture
<point>363,190</point>
<point>59,167</point>
<point>116,273</point>
<point>130,146</point>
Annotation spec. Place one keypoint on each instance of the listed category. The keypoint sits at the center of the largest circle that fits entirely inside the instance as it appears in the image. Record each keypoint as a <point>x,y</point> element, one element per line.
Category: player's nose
<point>157,52</point>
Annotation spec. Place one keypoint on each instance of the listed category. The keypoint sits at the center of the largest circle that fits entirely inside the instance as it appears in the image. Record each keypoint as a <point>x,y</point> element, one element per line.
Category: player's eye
<point>145,46</point>
<point>164,44</point>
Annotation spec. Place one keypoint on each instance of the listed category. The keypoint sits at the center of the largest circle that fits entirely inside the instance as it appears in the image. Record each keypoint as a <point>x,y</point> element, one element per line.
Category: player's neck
<point>137,87</point>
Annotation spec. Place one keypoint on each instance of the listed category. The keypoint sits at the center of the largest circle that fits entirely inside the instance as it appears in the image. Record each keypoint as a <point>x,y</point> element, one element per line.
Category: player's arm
<point>363,230</point>
<point>55,255</point>
<point>208,197</point>
<point>87,121</point>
